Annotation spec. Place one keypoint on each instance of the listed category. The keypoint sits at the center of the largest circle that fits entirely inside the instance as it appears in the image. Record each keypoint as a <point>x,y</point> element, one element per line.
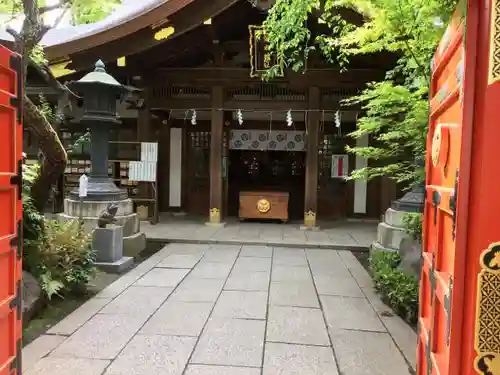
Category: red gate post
<point>11,145</point>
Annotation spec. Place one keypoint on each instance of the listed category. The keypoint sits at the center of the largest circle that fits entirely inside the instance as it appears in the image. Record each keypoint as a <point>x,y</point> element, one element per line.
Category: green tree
<point>27,44</point>
<point>395,111</point>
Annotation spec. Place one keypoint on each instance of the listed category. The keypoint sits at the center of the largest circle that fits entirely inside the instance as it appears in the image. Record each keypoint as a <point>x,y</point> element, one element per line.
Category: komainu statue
<point>107,216</point>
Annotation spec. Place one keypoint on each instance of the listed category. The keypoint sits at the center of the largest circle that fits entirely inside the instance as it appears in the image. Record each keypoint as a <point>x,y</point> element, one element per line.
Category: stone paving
<point>195,309</point>
<point>333,235</point>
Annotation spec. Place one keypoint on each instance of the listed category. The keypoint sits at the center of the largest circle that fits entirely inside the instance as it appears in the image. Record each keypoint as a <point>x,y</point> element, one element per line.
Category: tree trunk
<point>54,155</point>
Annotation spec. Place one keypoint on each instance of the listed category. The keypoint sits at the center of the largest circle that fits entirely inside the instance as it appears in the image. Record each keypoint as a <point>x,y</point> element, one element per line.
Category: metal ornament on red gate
<point>440,146</point>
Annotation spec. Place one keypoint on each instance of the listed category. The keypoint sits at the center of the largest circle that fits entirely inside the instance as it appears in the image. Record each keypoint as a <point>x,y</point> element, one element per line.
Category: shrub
<point>398,289</point>
<point>32,218</point>
<point>63,260</point>
<point>413,225</point>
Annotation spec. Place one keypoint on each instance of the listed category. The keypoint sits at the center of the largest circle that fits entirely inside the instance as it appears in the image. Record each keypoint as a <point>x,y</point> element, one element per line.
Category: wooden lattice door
<point>11,215</point>
<point>198,170</point>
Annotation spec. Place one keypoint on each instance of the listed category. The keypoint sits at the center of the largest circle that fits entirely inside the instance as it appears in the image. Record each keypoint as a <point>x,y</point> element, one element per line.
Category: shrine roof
<point>128,18</point>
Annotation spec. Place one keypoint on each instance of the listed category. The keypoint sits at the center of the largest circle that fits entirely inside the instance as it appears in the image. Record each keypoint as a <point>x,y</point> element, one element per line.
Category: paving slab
<point>248,281</point>
<point>102,337</point>
<point>198,290</point>
<point>253,264</point>
<point>220,256</point>
<point>211,270</point>
<point>368,353</point>
<point>299,360</point>
<point>221,370</point>
<point>350,313</point>
<point>39,348</point>
<point>337,286</point>
<point>79,317</point>
<point>178,319</point>
<point>232,342</point>
<point>153,355</point>
<point>241,305</point>
<point>299,293</point>
<point>162,277</point>
<point>256,251</point>
<point>289,273</point>
<point>290,257</point>
<point>65,366</point>
<point>180,261</point>
<point>141,301</point>
<point>296,326</point>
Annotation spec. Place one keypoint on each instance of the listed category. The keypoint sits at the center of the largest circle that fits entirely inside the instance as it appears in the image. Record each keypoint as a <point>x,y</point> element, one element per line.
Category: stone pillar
<point>311,183</point>
<point>216,128</point>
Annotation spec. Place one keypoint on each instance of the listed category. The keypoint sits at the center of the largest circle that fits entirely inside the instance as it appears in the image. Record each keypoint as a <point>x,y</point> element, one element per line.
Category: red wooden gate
<point>11,213</point>
<point>459,320</point>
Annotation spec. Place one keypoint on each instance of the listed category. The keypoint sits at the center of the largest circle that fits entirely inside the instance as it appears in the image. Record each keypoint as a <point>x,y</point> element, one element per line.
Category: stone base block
<point>108,244</point>
<point>390,236</point>
<point>308,228</point>
<point>130,223</point>
<point>378,247</point>
<point>134,245</point>
<point>222,224</point>
<point>119,266</point>
<point>394,218</point>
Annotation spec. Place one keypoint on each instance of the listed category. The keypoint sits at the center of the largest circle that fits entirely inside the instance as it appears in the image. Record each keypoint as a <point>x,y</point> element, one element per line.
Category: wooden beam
<point>321,78</point>
<point>311,183</point>
<point>187,19</point>
<point>217,129</point>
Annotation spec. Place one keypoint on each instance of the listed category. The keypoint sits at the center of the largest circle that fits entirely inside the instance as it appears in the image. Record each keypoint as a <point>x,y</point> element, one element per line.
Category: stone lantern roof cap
<point>100,76</point>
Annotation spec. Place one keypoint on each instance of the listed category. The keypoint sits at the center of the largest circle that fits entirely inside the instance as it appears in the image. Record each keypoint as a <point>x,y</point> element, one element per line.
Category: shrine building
<point>230,145</point>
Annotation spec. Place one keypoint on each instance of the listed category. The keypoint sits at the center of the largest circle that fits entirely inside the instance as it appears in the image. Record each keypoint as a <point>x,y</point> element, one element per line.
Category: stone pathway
<point>332,235</point>
<point>231,310</point>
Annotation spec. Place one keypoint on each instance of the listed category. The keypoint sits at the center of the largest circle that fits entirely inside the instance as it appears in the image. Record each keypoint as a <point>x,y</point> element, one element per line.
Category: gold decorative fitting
<point>487,339</point>
<point>121,61</point>
<point>215,215</point>
<point>263,206</point>
<point>310,219</point>
<point>60,69</point>
<point>494,68</point>
<point>164,33</point>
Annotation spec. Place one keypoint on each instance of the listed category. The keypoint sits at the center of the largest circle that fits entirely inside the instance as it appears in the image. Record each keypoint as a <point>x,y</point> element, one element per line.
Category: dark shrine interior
<point>251,170</point>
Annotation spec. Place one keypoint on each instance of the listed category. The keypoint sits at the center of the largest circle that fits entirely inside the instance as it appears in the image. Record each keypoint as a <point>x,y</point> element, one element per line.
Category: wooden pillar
<point>311,188</point>
<point>216,129</point>
<point>144,135</point>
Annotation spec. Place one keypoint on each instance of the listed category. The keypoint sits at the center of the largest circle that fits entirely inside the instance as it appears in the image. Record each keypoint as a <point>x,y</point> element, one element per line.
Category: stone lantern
<point>100,92</point>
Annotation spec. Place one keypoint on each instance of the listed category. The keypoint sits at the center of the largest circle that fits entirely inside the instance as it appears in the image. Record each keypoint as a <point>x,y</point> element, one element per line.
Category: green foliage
<point>89,11</point>
<point>62,260</point>
<point>33,220</point>
<point>413,225</point>
<point>395,111</point>
<point>398,290</point>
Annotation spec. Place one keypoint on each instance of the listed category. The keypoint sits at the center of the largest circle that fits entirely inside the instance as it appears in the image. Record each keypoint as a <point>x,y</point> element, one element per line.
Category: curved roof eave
<point>117,25</point>
<point>61,42</point>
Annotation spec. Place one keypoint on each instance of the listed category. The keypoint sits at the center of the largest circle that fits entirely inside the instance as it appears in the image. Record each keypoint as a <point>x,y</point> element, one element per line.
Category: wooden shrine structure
<point>221,129</point>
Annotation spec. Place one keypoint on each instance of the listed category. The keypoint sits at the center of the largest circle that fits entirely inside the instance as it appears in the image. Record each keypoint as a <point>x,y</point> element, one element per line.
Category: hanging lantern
<point>193,117</point>
<point>289,119</point>
<point>239,115</point>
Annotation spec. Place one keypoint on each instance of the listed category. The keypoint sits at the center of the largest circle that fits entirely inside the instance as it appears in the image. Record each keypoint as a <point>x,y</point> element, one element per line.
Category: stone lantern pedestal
<point>100,92</point>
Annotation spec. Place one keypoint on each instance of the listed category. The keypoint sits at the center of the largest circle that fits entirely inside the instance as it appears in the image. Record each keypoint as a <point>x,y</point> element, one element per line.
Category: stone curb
<point>354,248</point>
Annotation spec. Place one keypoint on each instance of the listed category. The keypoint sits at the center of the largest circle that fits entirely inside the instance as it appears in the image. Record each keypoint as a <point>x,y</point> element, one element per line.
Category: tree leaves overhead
<point>395,111</point>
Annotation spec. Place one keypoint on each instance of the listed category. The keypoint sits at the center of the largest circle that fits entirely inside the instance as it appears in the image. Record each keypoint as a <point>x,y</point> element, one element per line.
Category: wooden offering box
<point>264,205</point>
